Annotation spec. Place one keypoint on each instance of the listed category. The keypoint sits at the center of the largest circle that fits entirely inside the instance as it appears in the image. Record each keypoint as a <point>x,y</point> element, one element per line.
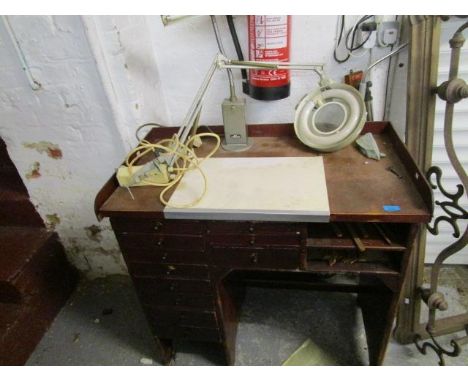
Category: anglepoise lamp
<point>326,120</point>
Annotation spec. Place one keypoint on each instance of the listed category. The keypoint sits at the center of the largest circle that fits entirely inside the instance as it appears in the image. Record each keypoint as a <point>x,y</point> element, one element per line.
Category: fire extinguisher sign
<point>269,41</point>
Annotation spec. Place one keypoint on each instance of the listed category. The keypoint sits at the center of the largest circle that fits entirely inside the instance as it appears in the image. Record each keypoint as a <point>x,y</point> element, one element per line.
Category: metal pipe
<point>232,90</point>
<point>170,19</point>
<point>35,85</point>
<point>364,87</point>
<point>374,64</point>
<point>397,50</point>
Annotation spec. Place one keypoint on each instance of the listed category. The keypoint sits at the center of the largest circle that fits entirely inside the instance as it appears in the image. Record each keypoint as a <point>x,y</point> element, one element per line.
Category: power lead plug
<point>197,142</point>
<point>369,34</point>
<point>387,33</point>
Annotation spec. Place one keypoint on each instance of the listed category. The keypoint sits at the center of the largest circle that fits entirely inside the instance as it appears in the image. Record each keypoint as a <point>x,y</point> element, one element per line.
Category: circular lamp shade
<point>330,119</point>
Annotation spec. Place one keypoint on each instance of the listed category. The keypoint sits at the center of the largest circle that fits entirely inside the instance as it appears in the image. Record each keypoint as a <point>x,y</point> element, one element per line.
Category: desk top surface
<point>358,187</point>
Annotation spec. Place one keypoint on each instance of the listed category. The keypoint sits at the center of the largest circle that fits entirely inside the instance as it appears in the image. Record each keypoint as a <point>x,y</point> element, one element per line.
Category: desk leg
<point>229,299</point>
<point>165,350</point>
<point>377,311</point>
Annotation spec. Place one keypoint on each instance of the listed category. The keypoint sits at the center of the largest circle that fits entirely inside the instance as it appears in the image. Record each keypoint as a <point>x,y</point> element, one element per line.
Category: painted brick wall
<point>62,137</point>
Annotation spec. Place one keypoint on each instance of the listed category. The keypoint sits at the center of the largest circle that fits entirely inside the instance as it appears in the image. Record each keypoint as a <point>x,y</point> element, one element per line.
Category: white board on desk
<point>272,189</point>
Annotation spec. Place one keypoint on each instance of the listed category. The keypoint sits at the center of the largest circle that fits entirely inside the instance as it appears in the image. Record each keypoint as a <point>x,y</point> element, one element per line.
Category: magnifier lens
<point>329,117</point>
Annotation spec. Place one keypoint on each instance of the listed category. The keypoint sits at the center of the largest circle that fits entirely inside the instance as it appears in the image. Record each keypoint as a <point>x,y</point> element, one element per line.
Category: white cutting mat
<point>273,189</point>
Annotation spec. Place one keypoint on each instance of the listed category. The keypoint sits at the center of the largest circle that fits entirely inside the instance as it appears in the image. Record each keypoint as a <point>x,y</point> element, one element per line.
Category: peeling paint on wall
<point>94,232</point>
<point>34,171</point>
<point>68,127</point>
<point>95,259</point>
<point>51,149</point>
<point>52,220</point>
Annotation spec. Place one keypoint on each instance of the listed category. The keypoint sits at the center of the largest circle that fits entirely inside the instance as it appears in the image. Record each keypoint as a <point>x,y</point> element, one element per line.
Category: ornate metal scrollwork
<point>451,207</point>
<point>437,348</point>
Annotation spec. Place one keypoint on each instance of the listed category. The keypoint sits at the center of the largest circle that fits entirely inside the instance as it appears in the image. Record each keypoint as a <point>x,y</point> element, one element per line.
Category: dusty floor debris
<point>273,324</point>
<point>146,361</point>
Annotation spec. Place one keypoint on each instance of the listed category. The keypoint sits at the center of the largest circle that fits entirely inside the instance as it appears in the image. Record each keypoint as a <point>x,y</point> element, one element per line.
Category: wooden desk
<point>190,275</point>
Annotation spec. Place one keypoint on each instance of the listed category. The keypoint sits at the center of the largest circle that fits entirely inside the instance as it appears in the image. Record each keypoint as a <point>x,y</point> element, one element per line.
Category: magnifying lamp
<point>330,117</point>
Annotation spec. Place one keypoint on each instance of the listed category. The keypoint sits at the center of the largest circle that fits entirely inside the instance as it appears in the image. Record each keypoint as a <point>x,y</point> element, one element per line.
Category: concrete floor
<point>103,324</point>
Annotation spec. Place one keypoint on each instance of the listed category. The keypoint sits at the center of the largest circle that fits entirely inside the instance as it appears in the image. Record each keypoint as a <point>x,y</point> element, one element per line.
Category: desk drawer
<point>164,256</point>
<point>153,242</point>
<point>171,285</point>
<point>223,227</point>
<point>175,270</point>
<point>181,317</point>
<point>188,333</point>
<point>245,240</point>
<point>142,225</point>
<point>257,258</point>
<point>187,300</point>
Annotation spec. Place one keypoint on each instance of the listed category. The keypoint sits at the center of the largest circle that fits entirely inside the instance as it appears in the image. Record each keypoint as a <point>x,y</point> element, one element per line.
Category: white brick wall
<point>70,110</point>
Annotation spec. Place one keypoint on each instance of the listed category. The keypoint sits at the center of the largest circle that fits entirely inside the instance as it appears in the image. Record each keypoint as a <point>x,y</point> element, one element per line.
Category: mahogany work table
<point>190,275</point>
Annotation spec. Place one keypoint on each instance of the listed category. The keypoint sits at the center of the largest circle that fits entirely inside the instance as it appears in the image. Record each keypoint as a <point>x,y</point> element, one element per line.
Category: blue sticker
<point>390,208</point>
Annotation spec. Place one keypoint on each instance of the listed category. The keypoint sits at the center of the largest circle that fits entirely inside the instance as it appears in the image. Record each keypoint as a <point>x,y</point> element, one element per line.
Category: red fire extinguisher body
<point>269,40</point>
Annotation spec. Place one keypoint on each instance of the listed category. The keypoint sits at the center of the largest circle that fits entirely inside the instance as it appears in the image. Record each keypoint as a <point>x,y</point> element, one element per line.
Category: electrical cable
<point>152,124</point>
<point>360,46</point>
<point>235,40</point>
<point>340,61</point>
<point>352,32</point>
<point>183,154</point>
<point>355,55</point>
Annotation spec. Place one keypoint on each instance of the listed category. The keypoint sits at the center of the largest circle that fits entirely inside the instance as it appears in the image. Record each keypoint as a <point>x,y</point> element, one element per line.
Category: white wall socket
<point>387,33</point>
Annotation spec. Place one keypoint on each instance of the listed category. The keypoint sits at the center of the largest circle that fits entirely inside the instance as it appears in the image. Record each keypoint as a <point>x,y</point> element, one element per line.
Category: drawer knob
<point>158,226</point>
<point>254,258</point>
<point>160,242</point>
<point>173,287</point>
<point>252,241</point>
<point>251,229</point>
<point>164,256</point>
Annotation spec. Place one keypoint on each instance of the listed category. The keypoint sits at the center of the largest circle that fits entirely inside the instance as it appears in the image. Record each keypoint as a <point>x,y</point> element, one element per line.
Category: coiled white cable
<point>185,160</point>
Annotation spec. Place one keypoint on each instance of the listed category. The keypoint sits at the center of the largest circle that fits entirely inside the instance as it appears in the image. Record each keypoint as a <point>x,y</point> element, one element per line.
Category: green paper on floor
<point>310,354</point>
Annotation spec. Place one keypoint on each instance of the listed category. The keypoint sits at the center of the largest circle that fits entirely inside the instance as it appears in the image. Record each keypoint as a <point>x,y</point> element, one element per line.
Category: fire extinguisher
<point>269,40</point>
